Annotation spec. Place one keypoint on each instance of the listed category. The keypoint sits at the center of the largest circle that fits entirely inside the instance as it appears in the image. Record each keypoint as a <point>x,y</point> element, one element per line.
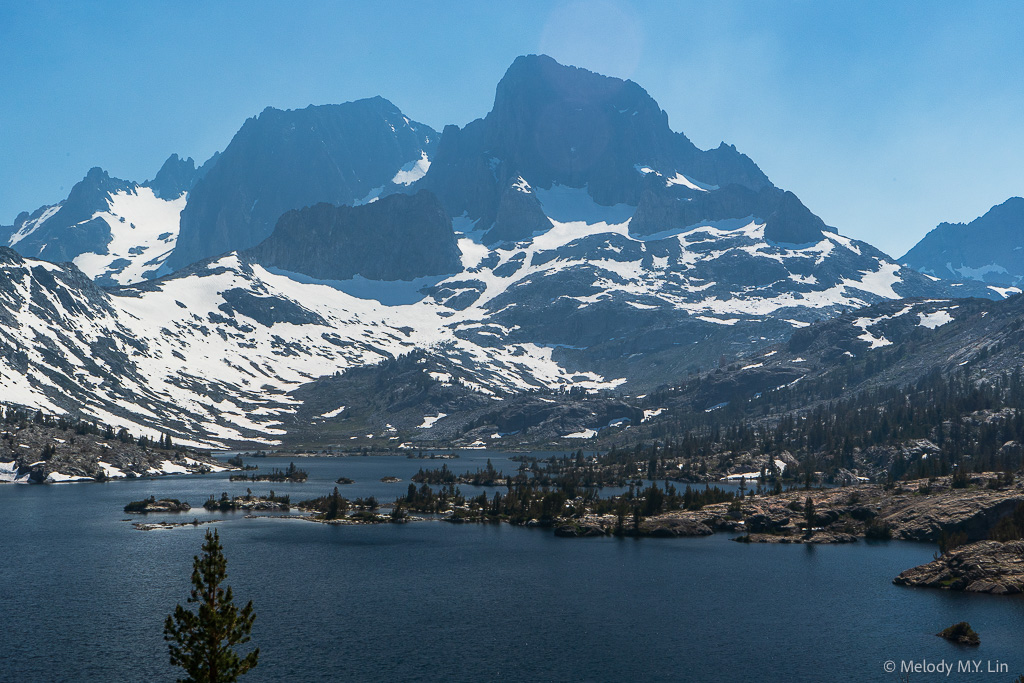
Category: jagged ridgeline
<point>570,241</point>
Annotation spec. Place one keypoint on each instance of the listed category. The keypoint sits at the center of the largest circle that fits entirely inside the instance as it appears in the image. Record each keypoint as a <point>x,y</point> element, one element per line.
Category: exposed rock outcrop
<point>982,567</point>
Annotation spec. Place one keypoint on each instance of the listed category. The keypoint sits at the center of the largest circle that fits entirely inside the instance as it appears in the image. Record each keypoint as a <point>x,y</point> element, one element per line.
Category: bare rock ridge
<point>178,175</point>
<point>400,237</point>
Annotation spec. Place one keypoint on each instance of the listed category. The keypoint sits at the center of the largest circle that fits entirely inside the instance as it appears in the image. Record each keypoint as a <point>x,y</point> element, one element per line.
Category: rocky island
<point>248,502</point>
<point>154,505</point>
<point>291,474</point>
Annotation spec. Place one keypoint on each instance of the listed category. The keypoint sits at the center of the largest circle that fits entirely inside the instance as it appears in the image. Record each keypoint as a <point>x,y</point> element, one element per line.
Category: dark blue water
<point>84,595</point>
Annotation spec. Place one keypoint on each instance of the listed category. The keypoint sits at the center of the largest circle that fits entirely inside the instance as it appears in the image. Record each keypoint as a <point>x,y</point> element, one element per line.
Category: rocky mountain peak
<point>175,177</point>
<point>282,160</point>
<point>566,125</point>
<point>553,124</point>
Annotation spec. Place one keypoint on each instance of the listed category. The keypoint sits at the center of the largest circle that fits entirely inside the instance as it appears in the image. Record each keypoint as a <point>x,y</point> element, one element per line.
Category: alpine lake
<point>85,594</point>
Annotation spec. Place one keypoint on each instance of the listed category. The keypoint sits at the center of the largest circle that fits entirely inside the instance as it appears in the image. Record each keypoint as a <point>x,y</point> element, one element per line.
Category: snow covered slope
<point>143,231</point>
<point>211,354</point>
<point>117,232</point>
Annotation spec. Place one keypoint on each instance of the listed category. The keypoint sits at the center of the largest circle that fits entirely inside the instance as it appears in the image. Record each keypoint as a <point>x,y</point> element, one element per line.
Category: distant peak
<point>546,71</point>
<point>177,175</point>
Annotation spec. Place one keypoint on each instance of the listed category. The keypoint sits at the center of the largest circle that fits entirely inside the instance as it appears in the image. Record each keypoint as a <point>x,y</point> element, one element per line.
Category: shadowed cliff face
<point>400,237</point>
<point>284,160</point>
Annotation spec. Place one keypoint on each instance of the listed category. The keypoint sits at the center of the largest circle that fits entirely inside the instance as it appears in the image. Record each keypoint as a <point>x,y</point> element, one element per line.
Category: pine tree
<point>203,642</point>
<point>809,515</point>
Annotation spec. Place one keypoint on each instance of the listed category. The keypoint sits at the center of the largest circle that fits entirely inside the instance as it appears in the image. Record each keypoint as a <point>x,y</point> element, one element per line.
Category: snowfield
<point>143,229</point>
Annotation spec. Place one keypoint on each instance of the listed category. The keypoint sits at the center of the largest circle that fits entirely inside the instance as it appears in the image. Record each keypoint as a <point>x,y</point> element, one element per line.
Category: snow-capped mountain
<point>121,232</point>
<point>989,248</point>
<point>568,240</point>
<point>116,231</point>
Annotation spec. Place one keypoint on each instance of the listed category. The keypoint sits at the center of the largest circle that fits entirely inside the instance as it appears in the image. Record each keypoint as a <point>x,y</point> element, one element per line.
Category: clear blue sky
<point>885,118</point>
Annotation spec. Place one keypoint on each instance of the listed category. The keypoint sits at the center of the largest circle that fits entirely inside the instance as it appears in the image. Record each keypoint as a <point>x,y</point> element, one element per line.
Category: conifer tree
<point>809,515</point>
<point>203,642</point>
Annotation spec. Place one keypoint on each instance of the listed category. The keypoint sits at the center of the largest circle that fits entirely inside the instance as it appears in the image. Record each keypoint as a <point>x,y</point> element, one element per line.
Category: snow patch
<point>428,421</point>
<point>933,320</point>
<point>1005,291</point>
<point>412,171</point>
<point>585,434</point>
<point>59,478</point>
<point>110,471</point>
<point>333,413</point>
<point>651,414</point>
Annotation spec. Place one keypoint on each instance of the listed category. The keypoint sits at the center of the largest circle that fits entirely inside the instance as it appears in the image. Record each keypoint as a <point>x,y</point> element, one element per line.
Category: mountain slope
<point>283,160</point>
<point>214,353</point>
<point>989,248</point>
<point>210,354</point>
<point>884,348</point>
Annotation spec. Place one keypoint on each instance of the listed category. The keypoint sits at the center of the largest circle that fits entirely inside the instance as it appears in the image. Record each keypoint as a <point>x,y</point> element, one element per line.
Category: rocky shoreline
<point>920,510</point>
<point>926,510</point>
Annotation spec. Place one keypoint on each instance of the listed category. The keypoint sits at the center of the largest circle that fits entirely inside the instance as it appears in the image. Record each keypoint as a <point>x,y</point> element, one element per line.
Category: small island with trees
<point>152,504</point>
<point>291,474</point>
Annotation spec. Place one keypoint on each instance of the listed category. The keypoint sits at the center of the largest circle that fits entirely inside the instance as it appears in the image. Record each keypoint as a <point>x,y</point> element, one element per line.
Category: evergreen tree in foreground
<point>203,642</point>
